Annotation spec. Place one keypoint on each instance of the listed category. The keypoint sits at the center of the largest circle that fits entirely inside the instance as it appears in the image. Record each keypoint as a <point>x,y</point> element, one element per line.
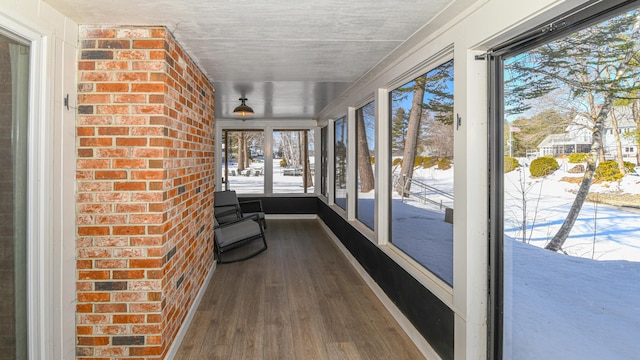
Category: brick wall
<point>145,150</point>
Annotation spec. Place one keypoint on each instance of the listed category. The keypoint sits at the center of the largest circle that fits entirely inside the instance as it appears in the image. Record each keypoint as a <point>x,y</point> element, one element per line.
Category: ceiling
<point>290,58</point>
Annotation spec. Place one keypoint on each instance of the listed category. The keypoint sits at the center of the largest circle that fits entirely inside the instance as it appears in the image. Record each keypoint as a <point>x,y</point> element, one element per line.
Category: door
<point>14,82</point>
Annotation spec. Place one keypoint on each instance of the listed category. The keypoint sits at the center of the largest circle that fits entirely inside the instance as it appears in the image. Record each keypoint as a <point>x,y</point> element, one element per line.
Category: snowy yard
<point>584,305</point>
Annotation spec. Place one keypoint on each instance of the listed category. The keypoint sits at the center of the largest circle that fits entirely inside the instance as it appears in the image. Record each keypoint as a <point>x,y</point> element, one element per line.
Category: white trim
<point>383,160</point>
<point>177,341</point>
<point>352,168</point>
<point>415,336</point>
<point>39,224</point>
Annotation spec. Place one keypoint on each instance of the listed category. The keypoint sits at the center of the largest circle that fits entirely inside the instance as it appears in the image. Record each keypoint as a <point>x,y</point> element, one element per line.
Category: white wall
<point>52,216</point>
<point>472,31</point>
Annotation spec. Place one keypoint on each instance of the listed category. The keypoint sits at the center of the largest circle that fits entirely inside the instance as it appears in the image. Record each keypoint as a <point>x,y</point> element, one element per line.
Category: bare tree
<point>365,171</point>
<point>411,138</point>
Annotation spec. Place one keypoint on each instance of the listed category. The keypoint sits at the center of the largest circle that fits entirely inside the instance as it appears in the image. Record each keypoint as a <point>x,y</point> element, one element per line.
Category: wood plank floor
<point>300,299</point>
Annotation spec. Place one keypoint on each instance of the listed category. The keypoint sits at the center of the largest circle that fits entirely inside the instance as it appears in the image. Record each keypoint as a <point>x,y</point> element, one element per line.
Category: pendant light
<point>243,109</point>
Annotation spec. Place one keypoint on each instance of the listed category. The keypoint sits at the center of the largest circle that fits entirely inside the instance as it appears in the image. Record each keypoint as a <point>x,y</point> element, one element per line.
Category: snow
<point>583,305</point>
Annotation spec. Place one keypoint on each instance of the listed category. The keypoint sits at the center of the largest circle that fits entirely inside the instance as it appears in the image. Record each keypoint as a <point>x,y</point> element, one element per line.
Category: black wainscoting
<point>286,205</point>
<point>431,317</point>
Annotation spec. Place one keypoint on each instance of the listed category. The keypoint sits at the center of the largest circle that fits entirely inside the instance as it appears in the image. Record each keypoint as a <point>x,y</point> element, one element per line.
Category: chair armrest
<point>253,217</point>
<point>220,213</point>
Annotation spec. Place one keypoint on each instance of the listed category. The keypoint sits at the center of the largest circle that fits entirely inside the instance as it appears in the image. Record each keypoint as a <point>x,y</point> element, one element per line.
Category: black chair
<point>237,235</point>
<point>227,207</point>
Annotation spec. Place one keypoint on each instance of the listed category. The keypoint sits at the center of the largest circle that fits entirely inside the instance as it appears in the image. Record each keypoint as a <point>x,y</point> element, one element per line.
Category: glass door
<point>14,83</point>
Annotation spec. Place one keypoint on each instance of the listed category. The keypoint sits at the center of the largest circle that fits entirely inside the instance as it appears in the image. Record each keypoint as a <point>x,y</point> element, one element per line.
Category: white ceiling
<point>290,58</point>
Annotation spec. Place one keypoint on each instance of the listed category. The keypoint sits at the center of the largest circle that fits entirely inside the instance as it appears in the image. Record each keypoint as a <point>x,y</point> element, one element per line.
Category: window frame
<point>429,279</point>
<point>562,25</point>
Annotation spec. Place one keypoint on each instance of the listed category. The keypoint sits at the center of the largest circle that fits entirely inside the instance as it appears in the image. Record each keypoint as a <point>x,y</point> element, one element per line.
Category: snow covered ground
<point>584,305</point>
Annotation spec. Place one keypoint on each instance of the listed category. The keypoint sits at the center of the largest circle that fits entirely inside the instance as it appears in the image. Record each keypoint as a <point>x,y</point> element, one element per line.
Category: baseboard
<point>173,350</point>
<point>291,216</point>
<point>405,324</point>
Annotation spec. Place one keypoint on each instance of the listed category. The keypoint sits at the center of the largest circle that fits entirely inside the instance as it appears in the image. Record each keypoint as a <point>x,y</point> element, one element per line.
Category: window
<point>14,106</point>
<point>340,165</point>
<point>293,161</point>
<point>568,258</point>
<point>365,132</point>
<point>243,162</point>
<point>422,169</point>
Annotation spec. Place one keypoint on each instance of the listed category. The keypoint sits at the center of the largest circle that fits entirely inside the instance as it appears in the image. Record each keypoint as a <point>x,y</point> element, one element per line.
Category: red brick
<point>110,264</point>
<point>128,274</point>
<point>94,99</point>
<point>129,164</point>
<point>84,330</point>
<point>146,218</point>
<point>112,65</point>
<point>92,164</point>
<point>147,175</point>
<point>94,297</point>
<point>145,263</point>
<point>131,55</point>
<point>111,174</point>
<point>128,319</point>
<point>85,153</point>
<point>130,186</point>
<point>128,230</point>
<point>96,32</point>
<point>110,308</point>
<point>131,141</point>
<point>113,130</point>
<point>93,230</point>
<point>95,76</point>
<point>92,142</point>
<point>130,208</point>
<point>84,308</point>
<point>112,87</point>
<point>145,351</point>
<point>148,44</point>
<point>112,109</point>
<point>86,65</point>
<point>93,340</point>
<point>93,275</point>
<point>130,98</point>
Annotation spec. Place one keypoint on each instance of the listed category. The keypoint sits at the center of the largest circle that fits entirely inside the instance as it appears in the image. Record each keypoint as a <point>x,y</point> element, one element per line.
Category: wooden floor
<point>300,299</point>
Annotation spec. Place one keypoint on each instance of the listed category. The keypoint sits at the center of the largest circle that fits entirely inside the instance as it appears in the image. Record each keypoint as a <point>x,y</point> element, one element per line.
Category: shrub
<point>577,169</point>
<point>629,166</point>
<point>418,161</point>
<point>510,164</point>
<point>543,166</point>
<point>397,162</point>
<point>372,159</point>
<point>575,158</point>
<point>444,164</point>
<point>429,161</point>
<point>608,170</point>
<point>283,162</point>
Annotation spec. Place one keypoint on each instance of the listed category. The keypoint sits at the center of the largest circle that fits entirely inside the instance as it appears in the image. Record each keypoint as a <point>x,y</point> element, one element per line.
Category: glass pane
<point>324,153</point>
<point>366,130</point>
<point>340,150</point>
<point>571,196</point>
<point>14,80</point>
<point>293,161</point>
<point>422,169</point>
<point>244,165</point>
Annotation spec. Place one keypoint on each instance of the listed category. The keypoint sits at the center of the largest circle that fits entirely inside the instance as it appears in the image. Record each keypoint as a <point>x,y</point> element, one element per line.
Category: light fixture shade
<point>243,109</point>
